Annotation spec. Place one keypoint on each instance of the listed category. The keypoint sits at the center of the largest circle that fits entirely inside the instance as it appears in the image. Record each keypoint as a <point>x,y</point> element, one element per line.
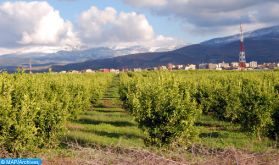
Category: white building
<point>253,64</point>
<point>203,66</point>
<point>114,70</point>
<point>89,71</point>
<point>163,67</point>
<point>190,67</point>
<point>247,65</point>
<point>235,64</point>
<point>223,65</point>
<point>137,69</point>
<point>75,71</point>
<point>212,66</point>
<point>179,66</point>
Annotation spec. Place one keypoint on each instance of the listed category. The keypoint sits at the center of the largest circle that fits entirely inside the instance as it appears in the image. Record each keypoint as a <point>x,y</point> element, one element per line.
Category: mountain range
<point>66,57</point>
<point>261,45</point>
<point>39,61</point>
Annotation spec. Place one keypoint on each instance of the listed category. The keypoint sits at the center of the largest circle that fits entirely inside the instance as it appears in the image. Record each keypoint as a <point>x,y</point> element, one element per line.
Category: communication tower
<point>30,66</point>
<point>242,58</point>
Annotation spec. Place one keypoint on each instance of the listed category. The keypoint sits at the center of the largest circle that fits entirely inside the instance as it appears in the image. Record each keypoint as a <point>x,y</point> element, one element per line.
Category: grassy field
<point>107,134</point>
<point>225,135</point>
<point>107,124</point>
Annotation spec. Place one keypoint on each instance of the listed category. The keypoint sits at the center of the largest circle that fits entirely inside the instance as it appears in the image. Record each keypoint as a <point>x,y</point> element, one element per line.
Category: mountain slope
<point>265,33</point>
<point>261,45</point>
<point>61,57</point>
<point>66,57</point>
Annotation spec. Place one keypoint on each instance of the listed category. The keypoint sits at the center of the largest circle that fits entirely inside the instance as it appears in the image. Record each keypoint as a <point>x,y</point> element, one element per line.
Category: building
<point>114,70</point>
<point>234,64</point>
<point>89,71</point>
<point>190,67</point>
<point>212,66</point>
<point>75,71</point>
<point>247,65</point>
<point>253,64</point>
<point>137,69</point>
<point>170,66</point>
<point>203,66</point>
<point>155,68</point>
<point>179,67</point>
<point>223,65</point>
<point>163,67</point>
<point>270,65</point>
<point>124,70</point>
<point>105,70</point>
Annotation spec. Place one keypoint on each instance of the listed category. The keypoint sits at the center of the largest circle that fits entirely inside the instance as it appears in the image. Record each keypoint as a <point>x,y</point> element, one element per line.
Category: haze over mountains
<point>261,45</point>
<point>73,56</point>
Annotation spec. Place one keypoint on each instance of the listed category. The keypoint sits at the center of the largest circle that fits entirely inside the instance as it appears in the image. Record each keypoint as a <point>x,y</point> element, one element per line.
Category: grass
<point>107,124</point>
<point>224,135</point>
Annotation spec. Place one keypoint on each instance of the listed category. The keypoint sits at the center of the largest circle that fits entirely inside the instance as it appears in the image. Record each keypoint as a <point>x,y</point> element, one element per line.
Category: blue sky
<point>49,26</point>
<point>161,24</point>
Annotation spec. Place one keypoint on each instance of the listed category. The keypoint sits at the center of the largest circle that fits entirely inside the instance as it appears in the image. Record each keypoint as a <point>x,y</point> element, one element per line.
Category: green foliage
<point>34,108</point>
<point>256,107</point>
<point>247,98</point>
<point>274,130</point>
<point>164,110</point>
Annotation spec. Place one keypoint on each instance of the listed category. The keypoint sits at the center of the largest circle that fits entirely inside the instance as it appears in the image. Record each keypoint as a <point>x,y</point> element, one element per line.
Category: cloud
<point>146,3</point>
<point>212,16</point>
<point>34,24</point>
<point>111,28</point>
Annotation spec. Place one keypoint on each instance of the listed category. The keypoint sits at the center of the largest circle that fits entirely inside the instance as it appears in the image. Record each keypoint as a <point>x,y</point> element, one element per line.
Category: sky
<point>50,26</point>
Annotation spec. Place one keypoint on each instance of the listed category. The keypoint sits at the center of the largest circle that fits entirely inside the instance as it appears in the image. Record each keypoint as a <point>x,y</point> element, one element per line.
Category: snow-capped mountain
<point>72,56</point>
<point>261,46</point>
<point>268,33</point>
<point>60,57</point>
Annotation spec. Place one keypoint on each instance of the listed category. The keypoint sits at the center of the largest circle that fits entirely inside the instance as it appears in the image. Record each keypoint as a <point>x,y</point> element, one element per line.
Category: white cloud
<point>117,29</point>
<point>146,3</point>
<point>34,24</point>
<point>163,43</point>
<point>108,26</point>
<point>212,16</point>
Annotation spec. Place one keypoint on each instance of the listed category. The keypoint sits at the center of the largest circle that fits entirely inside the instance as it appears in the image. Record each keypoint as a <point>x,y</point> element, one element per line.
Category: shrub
<point>35,108</point>
<point>165,113</point>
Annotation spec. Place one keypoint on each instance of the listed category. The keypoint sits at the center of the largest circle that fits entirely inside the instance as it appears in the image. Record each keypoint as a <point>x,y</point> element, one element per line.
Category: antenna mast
<point>30,66</point>
<point>242,58</point>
